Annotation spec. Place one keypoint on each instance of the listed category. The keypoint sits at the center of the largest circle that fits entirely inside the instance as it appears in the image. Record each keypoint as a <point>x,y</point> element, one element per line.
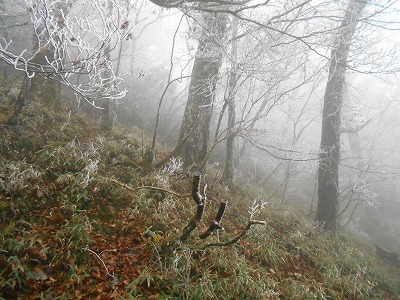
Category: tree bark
<point>109,105</point>
<point>328,178</point>
<point>230,139</point>
<point>4,33</point>
<point>199,106</point>
<point>167,3</point>
<point>20,101</point>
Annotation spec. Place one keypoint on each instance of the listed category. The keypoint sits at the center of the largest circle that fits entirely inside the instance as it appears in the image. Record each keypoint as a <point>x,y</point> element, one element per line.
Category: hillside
<point>80,219</point>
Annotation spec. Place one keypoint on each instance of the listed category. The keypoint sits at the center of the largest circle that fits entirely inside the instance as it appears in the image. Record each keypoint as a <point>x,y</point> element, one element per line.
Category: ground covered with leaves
<point>81,218</point>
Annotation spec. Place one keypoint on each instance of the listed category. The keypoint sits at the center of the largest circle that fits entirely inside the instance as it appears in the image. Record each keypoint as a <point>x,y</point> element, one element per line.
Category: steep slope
<point>80,219</point>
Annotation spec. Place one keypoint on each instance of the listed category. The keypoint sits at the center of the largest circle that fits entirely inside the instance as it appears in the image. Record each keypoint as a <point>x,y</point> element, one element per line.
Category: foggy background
<point>278,107</point>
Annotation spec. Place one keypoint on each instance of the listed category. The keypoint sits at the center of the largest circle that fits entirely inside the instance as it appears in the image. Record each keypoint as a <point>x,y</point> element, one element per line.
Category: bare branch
<point>142,187</point>
<point>69,46</point>
<point>237,238</point>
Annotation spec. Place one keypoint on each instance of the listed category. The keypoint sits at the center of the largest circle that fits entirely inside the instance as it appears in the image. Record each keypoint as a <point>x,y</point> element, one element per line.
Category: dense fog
<point>278,52</point>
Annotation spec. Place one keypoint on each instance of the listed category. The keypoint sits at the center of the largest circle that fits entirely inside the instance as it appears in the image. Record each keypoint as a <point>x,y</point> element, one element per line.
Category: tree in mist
<point>199,107</point>
<point>109,105</point>
<point>41,87</point>
<point>67,49</point>
<point>307,27</point>
<point>328,181</point>
<point>196,121</point>
<point>230,102</point>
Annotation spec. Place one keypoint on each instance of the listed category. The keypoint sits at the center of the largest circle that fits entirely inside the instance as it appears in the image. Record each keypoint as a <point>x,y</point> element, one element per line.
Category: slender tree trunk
<point>134,38</point>
<point>4,33</point>
<point>109,105</point>
<point>42,88</point>
<point>199,107</point>
<point>230,139</point>
<point>251,126</point>
<point>314,192</point>
<point>20,101</point>
<point>328,178</point>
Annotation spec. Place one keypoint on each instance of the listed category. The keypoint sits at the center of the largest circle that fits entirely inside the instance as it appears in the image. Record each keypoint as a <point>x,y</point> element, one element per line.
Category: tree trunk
<point>4,33</point>
<point>230,139</point>
<point>109,105</point>
<point>20,101</point>
<point>328,179</point>
<point>199,106</point>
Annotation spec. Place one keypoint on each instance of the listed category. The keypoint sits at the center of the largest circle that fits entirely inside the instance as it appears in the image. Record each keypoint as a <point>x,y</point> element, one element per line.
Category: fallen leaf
<point>39,273</point>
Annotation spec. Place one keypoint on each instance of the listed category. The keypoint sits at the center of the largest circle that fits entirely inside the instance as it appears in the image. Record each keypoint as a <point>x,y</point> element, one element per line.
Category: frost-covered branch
<point>69,41</point>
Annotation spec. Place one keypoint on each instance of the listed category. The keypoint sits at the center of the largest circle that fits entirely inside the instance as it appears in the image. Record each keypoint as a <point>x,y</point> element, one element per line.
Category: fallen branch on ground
<point>99,258</point>
<point>237,238</point>
<point>142,187</point>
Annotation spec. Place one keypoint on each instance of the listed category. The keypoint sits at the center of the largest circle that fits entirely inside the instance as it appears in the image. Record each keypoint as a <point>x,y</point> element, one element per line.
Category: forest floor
<point>81,219</point>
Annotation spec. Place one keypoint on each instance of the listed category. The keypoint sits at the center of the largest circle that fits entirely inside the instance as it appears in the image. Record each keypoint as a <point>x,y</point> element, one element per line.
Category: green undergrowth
<point>73,227</point>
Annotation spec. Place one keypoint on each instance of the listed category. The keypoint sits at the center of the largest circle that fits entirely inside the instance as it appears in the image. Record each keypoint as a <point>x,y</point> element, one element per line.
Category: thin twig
<point>169,82</point>
<point>142,187</point>
<point>160,189</point>
<point>99,258</point>
<point>237,238</point>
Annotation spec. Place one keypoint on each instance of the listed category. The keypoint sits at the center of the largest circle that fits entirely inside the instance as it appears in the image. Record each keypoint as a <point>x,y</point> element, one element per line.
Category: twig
<point>160,189</point>
<point>237,238</point>
<point>142,187</point>
<point>99,258</point>
<point>169,82</point>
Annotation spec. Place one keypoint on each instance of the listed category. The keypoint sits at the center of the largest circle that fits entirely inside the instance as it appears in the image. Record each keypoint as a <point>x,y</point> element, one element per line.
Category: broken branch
<point>216,224</point>
<point>196,221</point>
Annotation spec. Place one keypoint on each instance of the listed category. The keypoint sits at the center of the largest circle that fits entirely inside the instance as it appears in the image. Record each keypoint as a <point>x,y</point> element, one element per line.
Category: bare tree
<point>328,181</point>
<point>196,121</point>
<point>69,39</point>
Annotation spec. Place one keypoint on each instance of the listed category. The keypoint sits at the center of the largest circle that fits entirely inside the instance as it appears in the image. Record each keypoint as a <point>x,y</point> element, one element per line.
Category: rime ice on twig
<point>74,47</point>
